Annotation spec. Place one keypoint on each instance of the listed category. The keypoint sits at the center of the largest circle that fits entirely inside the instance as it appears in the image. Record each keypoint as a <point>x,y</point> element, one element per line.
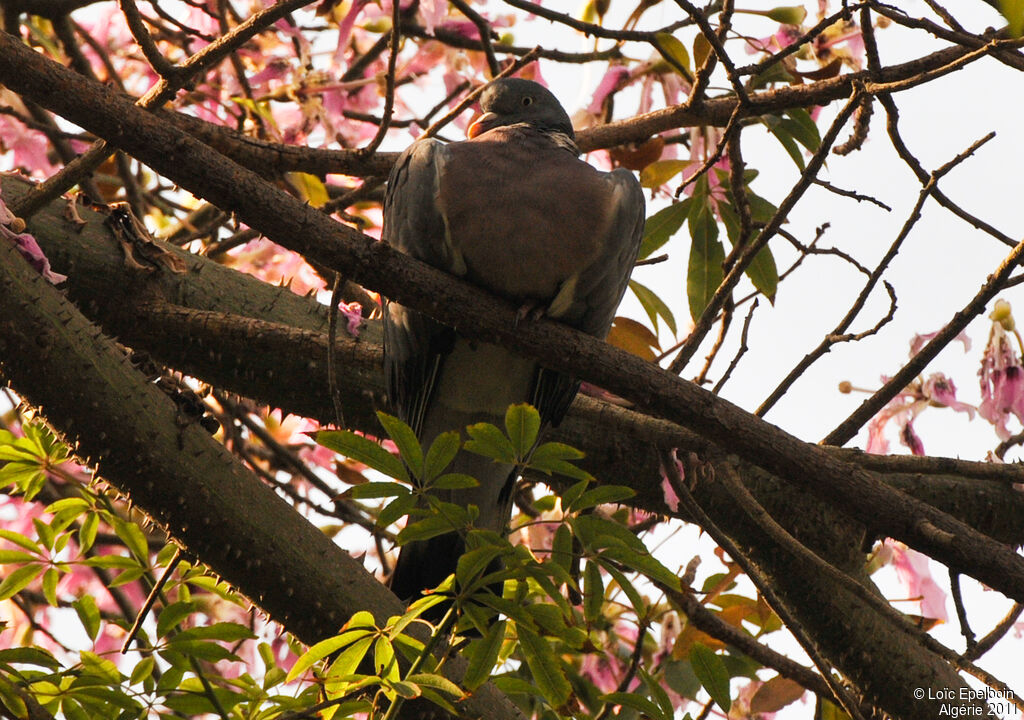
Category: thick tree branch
<point>181,476</point>
<point>477,315</point>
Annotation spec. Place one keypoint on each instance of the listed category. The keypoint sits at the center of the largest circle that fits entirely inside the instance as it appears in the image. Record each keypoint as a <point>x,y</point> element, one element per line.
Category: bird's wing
<point>589,299</point>
<point>415,344</point>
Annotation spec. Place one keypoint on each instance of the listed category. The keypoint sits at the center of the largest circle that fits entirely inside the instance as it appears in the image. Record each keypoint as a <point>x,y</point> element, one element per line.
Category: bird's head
<point>511,101</point>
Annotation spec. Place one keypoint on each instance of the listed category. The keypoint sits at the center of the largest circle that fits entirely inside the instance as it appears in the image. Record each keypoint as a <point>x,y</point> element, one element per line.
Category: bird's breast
<point>524,216</point>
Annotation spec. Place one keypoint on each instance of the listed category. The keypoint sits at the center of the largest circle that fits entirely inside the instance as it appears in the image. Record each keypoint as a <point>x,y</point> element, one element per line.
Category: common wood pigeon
<point>515,211</point>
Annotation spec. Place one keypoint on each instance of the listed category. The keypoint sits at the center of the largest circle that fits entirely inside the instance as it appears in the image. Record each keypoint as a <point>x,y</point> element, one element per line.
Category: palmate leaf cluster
<point>529,626</point>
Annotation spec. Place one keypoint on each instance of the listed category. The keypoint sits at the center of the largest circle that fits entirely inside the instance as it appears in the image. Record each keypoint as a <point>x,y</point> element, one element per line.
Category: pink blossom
<point>26,244</point>
<point>274,264</point>
<point>28,148</point>
<point>669,492</point>
<point>913,570</point>
<point>353,313</point>
<point>607,669</point>
<point>1002,378</point>
<point>433,13</point>
<point>935,391</point>
<point>345,28</point>
<point>611,82</point>
<point>919,341</point>
<point>463,28</point>
<point>940,390</point>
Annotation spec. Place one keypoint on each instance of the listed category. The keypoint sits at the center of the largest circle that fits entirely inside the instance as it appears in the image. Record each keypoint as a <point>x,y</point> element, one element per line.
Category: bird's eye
<point>527,101</point>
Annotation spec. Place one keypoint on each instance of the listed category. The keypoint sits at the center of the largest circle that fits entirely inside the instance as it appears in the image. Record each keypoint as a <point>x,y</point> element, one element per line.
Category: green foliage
<point>1013,11</point>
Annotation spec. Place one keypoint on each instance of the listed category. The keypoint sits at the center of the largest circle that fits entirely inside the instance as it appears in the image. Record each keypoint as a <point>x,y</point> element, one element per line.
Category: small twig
<point>961,611</point>
<point>731,127</point>
<point>723,331</point>
<point>145,41</point>
<point>592,29</point>
<point>657,259</point>
<point>839,333</point>
<point>715,40</point>
<point>851,194</point>
<point>861,125</point>
<point>740,352</point>
<point>150,601</point>
<point>988,642</point>
<point>389,91</point>
<point>484,28</point>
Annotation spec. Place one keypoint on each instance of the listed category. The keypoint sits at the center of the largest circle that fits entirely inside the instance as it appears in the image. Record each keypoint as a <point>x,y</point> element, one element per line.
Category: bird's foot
<point>532,309</point>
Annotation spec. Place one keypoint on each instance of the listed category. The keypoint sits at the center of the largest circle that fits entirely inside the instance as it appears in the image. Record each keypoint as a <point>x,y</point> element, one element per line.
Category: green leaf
<point>783,133</point>
<point>9,557</point>
<point>544,667</point>
<point>573,493</point>
<point>50,578</point>
<point>384,659</point>
<point>363,450</point>
<point>661,171</point>
<point>350,658</point>
<point>673,50</point>
<point>787,14</point>
<point>74,505</point>
<point>405,439</point>
<point>428,527</point>
<point>522,422</point>
<point>454,481</point>
<point>374,490</point>
<point>87,531</point>
<point>11,700</point>
<point>436,682</point>
<point>710,670</point>
<point>511,685</point>
<point>704,273</point>
<point>802,127</point>
<point>653,305</point>
<point>208,650</point>
<point>1013,11</point>
<point>100,667</point>
<point>596,532</point>
<point>143,670</point>
<point>764,274</point>
<point>473,564</point>
<point>662,225</point>
<point>329,646</point>
<point>602,495</point>
<point>46,533</point>
<point>593,592</point>
<point>561,547</point>
<point>636,702</point>
<point>29,656</point>
<point>489,441</point>
<point>635,598</point>
<point>440,455</point>
<point>134,539</point>
<point>19,579</point>
<point>553,457</point>
<point>225,631</point>
<point>396,509</point>
<point>482,654</point>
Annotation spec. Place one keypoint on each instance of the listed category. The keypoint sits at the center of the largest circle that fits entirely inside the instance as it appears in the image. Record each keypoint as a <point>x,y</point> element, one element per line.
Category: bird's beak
<point>481,125</point>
